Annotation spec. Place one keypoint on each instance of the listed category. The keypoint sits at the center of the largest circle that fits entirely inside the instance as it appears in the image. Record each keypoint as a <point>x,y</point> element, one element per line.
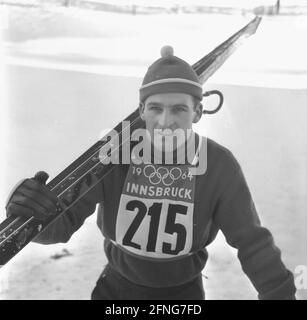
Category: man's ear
<point>141,110</point>
<point>198,112</point>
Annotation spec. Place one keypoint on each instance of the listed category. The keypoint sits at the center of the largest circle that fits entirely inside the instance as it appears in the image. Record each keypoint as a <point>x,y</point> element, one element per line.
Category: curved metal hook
<point>209,93</point>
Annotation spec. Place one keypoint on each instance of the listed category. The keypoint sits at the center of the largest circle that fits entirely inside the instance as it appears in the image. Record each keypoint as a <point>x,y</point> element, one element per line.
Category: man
<point>157,216</point>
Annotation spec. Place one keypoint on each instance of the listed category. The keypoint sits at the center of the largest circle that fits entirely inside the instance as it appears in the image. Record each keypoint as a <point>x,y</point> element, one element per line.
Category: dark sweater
<point>222,202</point>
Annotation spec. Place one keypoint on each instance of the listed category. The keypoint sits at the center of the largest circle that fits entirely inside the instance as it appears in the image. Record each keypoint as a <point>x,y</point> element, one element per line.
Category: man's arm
<point>237,217</point>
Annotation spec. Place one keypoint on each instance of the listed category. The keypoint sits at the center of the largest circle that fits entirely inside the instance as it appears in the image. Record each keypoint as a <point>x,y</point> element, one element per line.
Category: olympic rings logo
<point>155,176</point>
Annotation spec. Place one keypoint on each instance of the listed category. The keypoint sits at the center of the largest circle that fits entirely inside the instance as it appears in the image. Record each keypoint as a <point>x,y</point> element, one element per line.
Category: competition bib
<point>155,215</point>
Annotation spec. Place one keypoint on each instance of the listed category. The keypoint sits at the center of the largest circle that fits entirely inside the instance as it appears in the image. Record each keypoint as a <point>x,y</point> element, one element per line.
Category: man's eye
<point>155,109</point>
<point>180,109</point>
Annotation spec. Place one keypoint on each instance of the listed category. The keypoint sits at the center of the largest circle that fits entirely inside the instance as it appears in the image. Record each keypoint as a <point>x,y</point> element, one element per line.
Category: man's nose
<point>165,120</point>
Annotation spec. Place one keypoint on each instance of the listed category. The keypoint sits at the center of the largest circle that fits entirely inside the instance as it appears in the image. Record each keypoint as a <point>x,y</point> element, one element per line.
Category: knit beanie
<point>170,74</point>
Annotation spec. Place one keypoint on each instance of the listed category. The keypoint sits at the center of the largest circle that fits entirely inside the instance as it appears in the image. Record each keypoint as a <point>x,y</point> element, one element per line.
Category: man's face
<point>166,112</point>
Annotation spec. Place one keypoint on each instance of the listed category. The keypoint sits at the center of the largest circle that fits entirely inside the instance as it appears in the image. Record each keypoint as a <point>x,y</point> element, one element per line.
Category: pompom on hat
<point>170,74</point>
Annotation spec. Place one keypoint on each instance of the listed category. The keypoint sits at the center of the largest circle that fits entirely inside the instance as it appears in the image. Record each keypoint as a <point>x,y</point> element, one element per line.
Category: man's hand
<point>32,199</point>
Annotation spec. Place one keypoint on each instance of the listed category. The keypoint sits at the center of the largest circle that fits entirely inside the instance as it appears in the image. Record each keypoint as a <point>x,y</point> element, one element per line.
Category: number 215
<point>170,227</point>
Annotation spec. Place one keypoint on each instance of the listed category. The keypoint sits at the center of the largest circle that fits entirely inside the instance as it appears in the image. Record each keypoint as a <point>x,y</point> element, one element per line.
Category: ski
<point>87,170</point>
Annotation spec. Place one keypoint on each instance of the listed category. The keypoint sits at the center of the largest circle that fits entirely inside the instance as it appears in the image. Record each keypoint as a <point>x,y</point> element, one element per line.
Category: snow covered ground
<point>71,73</point>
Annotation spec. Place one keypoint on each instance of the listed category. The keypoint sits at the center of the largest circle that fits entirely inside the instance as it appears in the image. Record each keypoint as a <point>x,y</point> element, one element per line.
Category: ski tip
<point>257,20</point>
<point>255,23</point>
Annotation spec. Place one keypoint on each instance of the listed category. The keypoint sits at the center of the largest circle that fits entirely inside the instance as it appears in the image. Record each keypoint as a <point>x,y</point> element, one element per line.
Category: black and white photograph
<point>153,150</point>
